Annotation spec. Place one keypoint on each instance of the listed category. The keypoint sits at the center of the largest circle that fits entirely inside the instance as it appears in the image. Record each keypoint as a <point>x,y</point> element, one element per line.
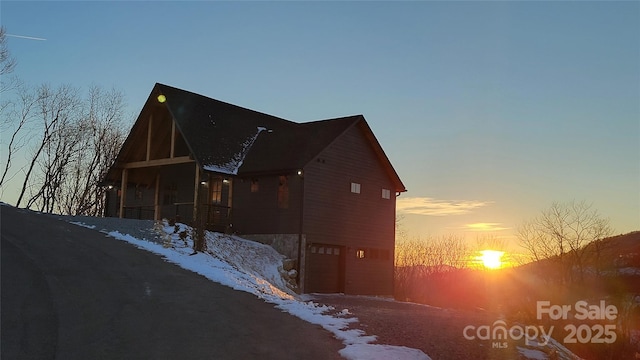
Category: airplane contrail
<point>26,37</point>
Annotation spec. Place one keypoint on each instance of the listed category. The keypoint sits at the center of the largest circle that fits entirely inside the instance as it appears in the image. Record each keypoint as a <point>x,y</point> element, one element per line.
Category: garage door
<point>325,269</point>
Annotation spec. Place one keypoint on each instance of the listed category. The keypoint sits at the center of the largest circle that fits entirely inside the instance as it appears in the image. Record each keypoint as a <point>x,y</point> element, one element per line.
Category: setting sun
<point>492,259</point>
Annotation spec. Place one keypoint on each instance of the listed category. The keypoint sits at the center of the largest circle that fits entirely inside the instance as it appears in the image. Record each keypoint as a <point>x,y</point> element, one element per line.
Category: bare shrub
<point>420,265</point>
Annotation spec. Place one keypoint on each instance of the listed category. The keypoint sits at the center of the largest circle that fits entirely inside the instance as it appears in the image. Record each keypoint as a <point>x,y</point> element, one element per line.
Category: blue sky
<point>489,111</point>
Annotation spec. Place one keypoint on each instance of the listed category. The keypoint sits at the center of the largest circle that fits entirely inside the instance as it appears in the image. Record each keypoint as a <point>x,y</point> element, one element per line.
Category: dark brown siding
<point>335,215</point>
<point>259,212</point>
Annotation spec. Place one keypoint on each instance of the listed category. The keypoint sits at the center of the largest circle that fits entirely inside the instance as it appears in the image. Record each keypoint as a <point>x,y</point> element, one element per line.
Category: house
<point>322,193</point>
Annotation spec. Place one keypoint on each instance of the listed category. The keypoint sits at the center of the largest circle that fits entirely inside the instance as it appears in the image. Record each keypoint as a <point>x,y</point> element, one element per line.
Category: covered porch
<point>179,191</point>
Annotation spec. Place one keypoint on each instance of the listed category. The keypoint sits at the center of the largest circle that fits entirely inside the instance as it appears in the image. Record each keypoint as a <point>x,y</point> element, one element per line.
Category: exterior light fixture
<point>226,181</point>
<point>162,98</point>
<point>300,173</point>
<point>110,187</point>
<point>203,182</point>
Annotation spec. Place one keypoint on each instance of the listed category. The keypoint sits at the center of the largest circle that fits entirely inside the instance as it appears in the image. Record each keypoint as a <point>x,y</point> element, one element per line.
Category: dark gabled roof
<point>229,139</point>
<point>218,134</point>
<point>295,146</point>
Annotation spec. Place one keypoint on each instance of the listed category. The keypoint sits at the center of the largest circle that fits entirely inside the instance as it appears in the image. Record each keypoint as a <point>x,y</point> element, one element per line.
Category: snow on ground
<point>532,353</point>
<point>381,352</point>
<point>255,268</point>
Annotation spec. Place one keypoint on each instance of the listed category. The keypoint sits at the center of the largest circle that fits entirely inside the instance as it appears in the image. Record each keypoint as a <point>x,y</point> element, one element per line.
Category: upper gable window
<point>355,188</point>
<point>386,194</point>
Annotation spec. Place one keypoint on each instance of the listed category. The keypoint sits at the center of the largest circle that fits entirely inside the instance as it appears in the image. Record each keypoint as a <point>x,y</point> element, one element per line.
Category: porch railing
<point>139,212</point>
<point>217,216</point>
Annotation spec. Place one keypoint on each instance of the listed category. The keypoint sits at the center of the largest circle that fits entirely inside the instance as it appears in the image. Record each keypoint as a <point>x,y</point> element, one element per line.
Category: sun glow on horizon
<point>492,259</point>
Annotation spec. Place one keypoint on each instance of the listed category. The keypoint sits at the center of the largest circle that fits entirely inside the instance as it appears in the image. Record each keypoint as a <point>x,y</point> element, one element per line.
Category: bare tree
<point>54,107</point>
<point>74,142</point>
<point>7,65</point>
<point>102,134</point>
<point>12,121</point>
<point>418,260</point>
<point>7,62</point>
<point>59,153</point>
<point>15,123</point>
<point>560,236</point>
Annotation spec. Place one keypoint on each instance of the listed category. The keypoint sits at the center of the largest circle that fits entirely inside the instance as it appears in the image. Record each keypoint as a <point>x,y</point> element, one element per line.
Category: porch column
<point>173,138</point>
<point>149,129</point>
<point>230,194</point>
<point>123,191</point>
<point>156,199</point>
<point>196,188</point>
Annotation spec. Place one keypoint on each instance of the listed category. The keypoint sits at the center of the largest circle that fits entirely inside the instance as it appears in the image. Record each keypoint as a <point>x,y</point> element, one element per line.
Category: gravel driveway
<point>437,332</point>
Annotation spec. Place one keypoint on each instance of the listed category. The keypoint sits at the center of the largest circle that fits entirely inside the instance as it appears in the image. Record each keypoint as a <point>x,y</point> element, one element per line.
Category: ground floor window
<point>373,254</point>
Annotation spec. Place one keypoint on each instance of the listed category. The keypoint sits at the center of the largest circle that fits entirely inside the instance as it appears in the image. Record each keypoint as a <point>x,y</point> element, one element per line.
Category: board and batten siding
<point>364,221</point>
<point>258,212</point>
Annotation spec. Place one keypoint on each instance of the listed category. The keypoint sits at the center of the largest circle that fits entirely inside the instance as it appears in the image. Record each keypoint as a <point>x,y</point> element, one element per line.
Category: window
<point>255,186</point>
<point>373,254</point>
<point>283,192</point>
<point>386,194</point>
<point>216,190</point>
<point>355,188</point>
<point>325,250</point>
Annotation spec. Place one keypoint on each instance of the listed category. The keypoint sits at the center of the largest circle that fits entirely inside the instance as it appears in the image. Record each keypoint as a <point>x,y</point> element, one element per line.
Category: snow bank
<point>381,352</point>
